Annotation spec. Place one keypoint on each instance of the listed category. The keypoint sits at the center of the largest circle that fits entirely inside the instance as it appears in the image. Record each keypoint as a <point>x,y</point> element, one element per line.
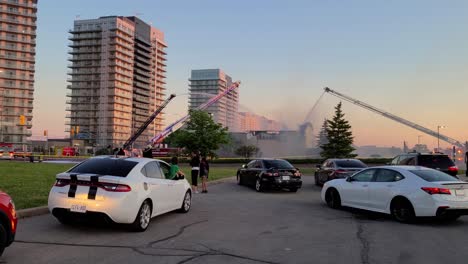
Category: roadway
<point>234,224</point>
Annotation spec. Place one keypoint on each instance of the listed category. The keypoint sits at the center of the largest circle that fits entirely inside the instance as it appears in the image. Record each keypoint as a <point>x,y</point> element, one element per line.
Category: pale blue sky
<point>407,57</point>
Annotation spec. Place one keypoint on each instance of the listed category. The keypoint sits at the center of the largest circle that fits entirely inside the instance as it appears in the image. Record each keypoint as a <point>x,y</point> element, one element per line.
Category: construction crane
<point>145,125</point>
<point>180,122</point>
<point>396,118</point>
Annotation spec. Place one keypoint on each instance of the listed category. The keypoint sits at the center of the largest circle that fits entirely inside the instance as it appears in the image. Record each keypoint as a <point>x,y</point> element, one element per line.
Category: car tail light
<point>62,182</point>
<point>297,173</point>
<point>453,168</point>
<point>111,187</point>
<point>435,190</point>
<point>271,174</point>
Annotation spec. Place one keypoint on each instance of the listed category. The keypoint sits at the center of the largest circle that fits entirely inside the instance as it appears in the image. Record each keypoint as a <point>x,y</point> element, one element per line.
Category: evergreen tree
<point>340,138</point>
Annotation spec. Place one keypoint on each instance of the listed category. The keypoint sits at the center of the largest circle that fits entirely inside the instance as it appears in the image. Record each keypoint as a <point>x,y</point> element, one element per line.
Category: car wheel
<point>293,189</point>
<point>258,185</point>
<point>186,203</point>
<point>3,239</point>
<point>333,199</point>
<point>143,217</point>
<point>239,179</point>
<point>64,220</point>
<point>402,210</point>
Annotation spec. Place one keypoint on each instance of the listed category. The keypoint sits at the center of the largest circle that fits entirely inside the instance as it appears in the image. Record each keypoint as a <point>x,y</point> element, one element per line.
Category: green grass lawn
<point>29,183</point>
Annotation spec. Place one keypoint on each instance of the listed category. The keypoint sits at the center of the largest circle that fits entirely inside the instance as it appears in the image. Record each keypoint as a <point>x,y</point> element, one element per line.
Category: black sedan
<point>337,168</point>
<point>270,173</point>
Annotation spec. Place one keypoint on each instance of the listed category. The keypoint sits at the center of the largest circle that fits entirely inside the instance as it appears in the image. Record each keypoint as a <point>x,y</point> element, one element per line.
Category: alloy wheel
<point>145,216</point>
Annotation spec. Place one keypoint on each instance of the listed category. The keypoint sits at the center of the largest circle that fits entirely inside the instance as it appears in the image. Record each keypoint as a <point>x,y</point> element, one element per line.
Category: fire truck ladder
<point>395,118</point>
<point>150,119</point>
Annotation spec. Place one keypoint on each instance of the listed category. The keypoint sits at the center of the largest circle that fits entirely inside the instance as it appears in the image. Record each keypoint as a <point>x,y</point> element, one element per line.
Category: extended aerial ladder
<point>396,118</point>
<point>145,125</point>
<point>180,122</point>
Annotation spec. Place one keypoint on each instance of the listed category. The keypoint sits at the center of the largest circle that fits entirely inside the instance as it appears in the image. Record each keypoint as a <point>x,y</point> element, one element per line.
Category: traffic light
<point>22,120</point>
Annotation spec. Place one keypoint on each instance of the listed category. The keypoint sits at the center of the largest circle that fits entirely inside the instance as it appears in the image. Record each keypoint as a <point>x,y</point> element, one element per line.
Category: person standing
<point>195,164</point>
<point>204,169</point>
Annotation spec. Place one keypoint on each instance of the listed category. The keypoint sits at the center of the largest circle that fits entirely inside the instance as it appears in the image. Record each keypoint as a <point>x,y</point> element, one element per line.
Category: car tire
<point>402,210</point>
<point>3,239</point>
<point>333,199</point>
<point>239,180</point>
<point>293,189</point>
<point>143,217</point>
<point>258,185</point>
<point>186,203</point>
<point>64,220</point>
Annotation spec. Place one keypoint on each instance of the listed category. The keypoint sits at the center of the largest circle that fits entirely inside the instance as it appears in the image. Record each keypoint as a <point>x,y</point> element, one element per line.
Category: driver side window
<point>251,164</point>
<point>365,176</point>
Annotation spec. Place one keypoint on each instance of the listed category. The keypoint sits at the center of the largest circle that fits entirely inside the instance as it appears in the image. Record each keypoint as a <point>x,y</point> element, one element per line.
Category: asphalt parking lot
<point>234,224</point>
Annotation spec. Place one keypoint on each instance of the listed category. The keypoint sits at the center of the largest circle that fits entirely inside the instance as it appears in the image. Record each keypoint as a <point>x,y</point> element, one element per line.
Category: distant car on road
<point>435,161</point>
<point>336,169</point>
<point>8,221</point>
<point>270,173</point>
<point>6,153</point>
<point>122,190</point>
<point>405,192</point>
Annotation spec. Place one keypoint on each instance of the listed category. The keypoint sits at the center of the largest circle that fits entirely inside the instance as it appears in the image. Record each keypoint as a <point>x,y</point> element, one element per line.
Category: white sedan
<point>405,192</point>
<point>123,190</point>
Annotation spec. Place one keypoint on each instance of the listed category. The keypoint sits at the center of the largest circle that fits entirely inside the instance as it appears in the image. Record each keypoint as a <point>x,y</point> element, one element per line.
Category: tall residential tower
<point>117,79</point>
<point>17,52</point>
<point>210,82</point>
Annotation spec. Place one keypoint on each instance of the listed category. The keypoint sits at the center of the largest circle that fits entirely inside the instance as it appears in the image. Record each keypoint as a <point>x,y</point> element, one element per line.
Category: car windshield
<point>277,164</point>
<point>350,164</point>
<point>435,161</point>
<point>433,175</point>
<point>113,167</point>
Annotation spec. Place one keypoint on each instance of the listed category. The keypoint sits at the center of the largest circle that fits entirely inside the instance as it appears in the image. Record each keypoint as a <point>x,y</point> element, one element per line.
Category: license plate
<point>78,208</point>
<point>460,192</point>
<point>285,178</point>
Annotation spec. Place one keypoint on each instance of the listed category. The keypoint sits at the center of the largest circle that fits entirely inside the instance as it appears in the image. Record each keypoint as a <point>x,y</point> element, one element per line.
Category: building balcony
<point>91,64</point>
<point>20,31</point>
<point>122,58</point>
<point>20,13</point>
<point>77,51</point>
<point>143,72</point>
<point>9,94</point>
<point>83,72</point>
<point>15,48</point>
<point>127,39</point>
<point>142,85</point>
<point>17,3</point>
<point>143,53</point>
<point>19,58</point>
<point>84,44</point>
<point>19,22</point>
<point>120,79</point>
<point>141,99</point>
<point>18,77</point>
<point>143,60</point>
<point>140,45</point>
<point>142,79</point>
<point>17,104</point>
<point>16,66</point>
<point>121,50</point>
<point>85,36</point>
<point>85,58</point>
<point>17,86</point>
<point>142,92</point>
<point>23,131</point>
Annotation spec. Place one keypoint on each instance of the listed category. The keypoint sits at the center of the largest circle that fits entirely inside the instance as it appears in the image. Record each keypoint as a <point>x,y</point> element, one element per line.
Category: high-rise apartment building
<point>117,79</point>
<point>253,122</point>
<point>210,82</point>
<point>17,52</point>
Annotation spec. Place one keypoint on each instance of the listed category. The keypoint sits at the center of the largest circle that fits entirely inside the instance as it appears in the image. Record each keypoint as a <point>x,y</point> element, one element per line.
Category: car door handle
<point>389,185</point>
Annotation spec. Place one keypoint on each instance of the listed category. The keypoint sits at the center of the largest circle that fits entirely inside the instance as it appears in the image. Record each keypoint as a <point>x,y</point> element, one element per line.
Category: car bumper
<point>120,208</point>
<point>279,183</point>
<point>436,206</point>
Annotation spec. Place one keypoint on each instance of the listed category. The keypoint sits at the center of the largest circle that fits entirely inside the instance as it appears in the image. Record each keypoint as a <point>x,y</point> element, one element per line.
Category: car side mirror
<point>318,166</point>
<point>349,179</point>
<point>244,166</point>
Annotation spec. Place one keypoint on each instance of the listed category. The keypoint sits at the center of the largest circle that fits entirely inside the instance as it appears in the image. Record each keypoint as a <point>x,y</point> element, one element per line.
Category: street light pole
<point>438,137</point>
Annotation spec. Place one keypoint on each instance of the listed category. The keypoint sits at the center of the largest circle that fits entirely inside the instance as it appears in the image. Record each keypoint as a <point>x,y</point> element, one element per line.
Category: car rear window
<point>277,164</point>
<point>113,167</point>
<point>433,175</point>
<point>433,161</point>
<point>350,164</point>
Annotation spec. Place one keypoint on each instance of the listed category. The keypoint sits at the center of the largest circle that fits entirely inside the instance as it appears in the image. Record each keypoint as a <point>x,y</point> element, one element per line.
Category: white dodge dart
<point>405,192</point>
<point>123,190</point>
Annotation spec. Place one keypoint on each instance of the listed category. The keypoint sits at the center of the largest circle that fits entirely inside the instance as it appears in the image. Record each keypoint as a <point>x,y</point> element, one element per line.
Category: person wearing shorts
<point>195,164</point>
<point>204,169</point>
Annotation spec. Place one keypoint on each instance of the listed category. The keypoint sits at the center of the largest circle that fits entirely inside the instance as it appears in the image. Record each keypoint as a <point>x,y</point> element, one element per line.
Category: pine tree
<point>322,136</point>
<point>339,135</point>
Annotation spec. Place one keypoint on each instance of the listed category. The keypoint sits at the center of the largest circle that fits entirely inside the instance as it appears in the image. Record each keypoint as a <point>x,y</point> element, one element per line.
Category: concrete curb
<point>24,213</point>
<point>41,210</point>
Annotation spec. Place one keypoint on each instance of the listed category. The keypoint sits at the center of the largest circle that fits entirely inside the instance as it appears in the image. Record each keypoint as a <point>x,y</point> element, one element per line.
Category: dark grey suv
<point>436,161</point>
